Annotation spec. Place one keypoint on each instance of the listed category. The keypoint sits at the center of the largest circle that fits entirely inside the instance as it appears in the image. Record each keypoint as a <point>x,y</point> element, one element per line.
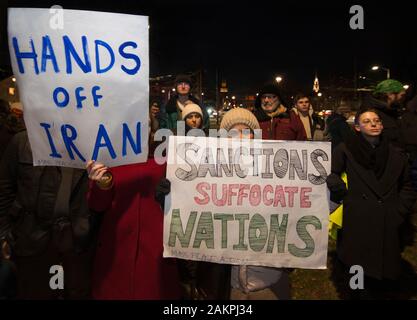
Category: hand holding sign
<point>99,173</point>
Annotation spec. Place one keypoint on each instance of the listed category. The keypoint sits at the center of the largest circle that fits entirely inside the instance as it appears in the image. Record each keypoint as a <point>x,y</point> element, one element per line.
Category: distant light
<point>278,79</point>
<point>241,105</point>
<point>233,98</point>
<point>257,94</point>
<point>173,89</point>
<point>163,91</point>
<point>375,67</point>
<point>209,110</point>
<point>406,86</point>
<point>202,93</point>
<point>319,94</point>
<point>14,79</point>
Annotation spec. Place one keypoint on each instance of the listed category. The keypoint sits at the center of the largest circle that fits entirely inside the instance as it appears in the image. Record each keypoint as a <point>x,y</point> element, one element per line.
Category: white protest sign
<point>247,202</point>
<point>84,85</point>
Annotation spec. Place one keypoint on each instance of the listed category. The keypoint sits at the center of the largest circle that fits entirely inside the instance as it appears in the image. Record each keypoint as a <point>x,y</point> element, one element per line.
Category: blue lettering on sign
<point>109,50</point>
<point>95,95</point>
<point>102,134</point>
<point>47,46</point>
<point>80,57</point>
<point>68,141</point>
<point>54,153</point>
<point>130,56</point>
<point>137,148</point>
<point>64,102</point>
<point>25,55</point>
<point>79,97</point>
<point>70,51</point>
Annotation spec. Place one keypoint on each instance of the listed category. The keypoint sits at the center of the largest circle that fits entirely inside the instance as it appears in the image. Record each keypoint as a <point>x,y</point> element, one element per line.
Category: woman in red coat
<point>129,262</point>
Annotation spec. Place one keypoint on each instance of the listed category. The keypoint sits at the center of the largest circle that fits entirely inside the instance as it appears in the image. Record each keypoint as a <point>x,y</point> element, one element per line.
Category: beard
<point>397,105</point>
<point>270,107</point>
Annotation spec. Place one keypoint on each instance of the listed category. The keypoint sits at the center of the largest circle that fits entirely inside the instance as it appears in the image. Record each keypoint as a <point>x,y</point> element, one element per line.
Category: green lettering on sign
<point>277,231</point>
<point>205,231</point>
<point>257,243</point>
<point>241,245</point>
<point>176,230</point>
<point>305,236</point>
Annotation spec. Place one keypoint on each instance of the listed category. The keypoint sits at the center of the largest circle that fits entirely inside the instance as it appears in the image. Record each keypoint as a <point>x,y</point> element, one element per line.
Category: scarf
<point>368,156</point>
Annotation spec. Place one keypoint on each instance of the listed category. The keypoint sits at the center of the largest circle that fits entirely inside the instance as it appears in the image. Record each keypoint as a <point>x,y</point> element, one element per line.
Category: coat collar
<point>393,170</point>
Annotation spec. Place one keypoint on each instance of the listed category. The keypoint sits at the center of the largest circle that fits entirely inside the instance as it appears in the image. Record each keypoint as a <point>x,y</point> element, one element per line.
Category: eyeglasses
<point>367,122</point>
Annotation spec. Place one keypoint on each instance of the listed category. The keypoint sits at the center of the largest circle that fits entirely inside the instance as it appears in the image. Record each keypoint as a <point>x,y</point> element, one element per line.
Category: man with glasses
<point>276,120</point>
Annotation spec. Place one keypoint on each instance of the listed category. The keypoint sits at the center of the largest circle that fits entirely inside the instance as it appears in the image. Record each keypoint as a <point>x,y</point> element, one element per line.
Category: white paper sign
<point>248,202</point>
<point>84,84</point>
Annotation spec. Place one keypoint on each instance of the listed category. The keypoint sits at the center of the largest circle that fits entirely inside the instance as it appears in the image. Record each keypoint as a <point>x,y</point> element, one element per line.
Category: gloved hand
<point>337,188</point>
<point>162,189</point>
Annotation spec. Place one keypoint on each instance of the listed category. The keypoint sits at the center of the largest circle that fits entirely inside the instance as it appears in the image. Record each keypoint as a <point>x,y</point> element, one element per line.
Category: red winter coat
<point>285,126</point>
<point>129,262</point>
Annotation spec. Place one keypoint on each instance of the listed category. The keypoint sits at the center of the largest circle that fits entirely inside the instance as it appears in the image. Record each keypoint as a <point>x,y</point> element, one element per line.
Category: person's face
<point>193,120</point>
<point>369,124</point>
<point>183,88</point>
<point>244,131</point>
<point>303,105</point>
<point>396,98</point>
<point>269,102</point>
<point>154,109</point>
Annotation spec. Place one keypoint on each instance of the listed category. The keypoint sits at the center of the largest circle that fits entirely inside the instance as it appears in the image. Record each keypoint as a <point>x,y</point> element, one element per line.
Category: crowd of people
<point>104,225</point>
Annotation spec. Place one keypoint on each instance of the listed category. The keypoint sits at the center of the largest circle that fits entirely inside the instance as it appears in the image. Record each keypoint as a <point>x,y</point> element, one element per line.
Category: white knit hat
<point>191,108</point>
<point>239,116</point>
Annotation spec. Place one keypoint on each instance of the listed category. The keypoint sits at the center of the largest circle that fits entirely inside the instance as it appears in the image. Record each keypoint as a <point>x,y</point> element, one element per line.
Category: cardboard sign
<point>84,84</point>
<point>248,202</point>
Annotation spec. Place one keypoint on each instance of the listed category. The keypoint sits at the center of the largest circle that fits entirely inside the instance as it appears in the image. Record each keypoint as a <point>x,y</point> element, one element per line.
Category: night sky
<point>250,42</point>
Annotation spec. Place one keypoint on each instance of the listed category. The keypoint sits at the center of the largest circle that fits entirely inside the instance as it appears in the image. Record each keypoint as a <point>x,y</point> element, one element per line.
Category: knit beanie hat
<point>191,108</point>
<point>239,116</point>
<point>183,78</point>
<point>389,86</point>
<point>271,89</point>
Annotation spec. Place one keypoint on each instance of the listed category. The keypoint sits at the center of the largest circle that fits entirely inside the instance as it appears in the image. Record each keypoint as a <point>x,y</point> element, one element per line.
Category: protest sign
<point>84,84</point>
<point>247,202</point>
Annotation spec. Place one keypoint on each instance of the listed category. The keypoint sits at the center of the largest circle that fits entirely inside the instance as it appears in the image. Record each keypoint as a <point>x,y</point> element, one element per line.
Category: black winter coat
<point>372,212</point>
<point>27,200</point>
<point>408,124</point>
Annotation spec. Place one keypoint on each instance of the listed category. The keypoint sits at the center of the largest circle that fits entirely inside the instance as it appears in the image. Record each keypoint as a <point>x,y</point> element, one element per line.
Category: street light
<point>406,86</point>
<point>386,69</point>
<point>319,94</point>
<point>278,79</point>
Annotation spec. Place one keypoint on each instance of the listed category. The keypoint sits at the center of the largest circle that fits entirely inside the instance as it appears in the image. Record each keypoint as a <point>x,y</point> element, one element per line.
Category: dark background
<point>250,42</point>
